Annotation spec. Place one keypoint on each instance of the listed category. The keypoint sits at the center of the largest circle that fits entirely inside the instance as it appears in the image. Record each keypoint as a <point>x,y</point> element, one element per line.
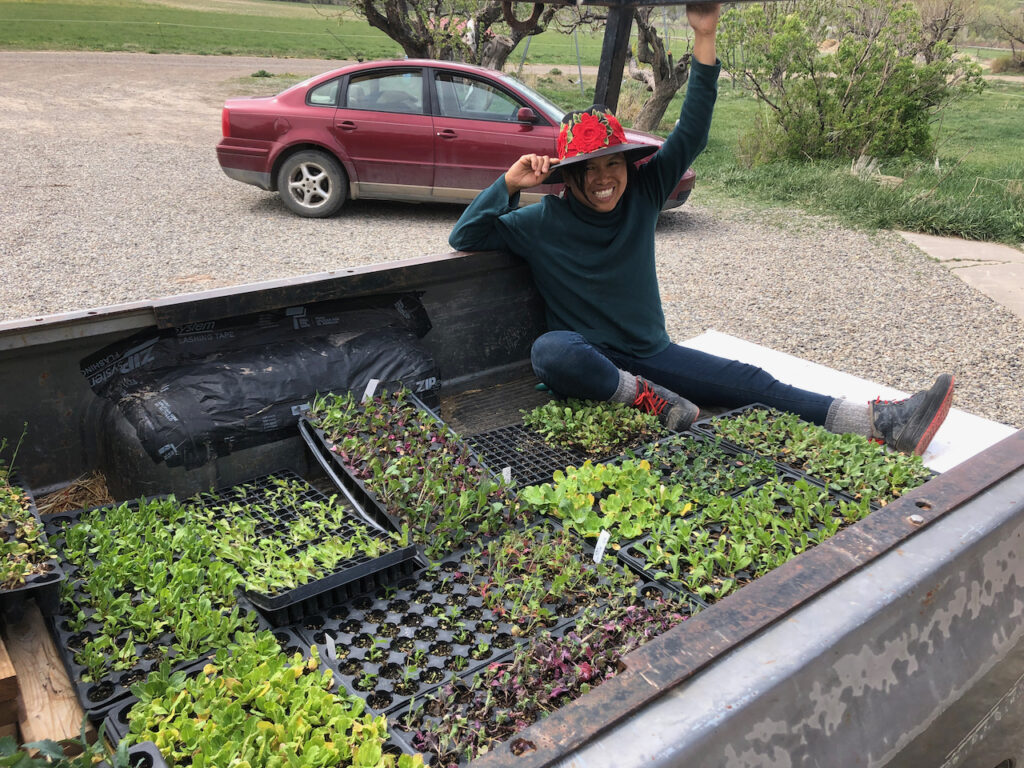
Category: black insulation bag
<point>204,390</point>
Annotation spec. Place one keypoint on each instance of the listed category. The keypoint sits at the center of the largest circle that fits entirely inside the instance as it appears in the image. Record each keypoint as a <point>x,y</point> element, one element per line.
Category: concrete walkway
<point>995,270</point>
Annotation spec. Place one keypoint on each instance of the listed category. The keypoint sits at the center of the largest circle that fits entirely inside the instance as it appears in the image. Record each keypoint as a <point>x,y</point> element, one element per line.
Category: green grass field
<point>975,191</point>
<point>249,27</point>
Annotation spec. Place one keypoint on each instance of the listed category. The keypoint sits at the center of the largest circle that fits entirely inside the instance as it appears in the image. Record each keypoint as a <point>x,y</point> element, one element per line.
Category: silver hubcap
<point>309,185</point>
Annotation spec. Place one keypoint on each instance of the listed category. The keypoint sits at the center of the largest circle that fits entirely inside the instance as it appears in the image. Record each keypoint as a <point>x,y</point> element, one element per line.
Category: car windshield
<point>554,112</point>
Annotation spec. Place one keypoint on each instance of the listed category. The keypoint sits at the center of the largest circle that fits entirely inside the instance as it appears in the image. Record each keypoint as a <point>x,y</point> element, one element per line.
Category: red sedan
<point>412,130</point>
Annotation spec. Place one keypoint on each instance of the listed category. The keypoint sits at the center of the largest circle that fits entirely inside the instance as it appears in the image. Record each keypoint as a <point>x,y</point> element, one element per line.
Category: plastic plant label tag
<point>602,542</point>
<point>506,475</point>
<point>332,649</point>
<point>371,389</point>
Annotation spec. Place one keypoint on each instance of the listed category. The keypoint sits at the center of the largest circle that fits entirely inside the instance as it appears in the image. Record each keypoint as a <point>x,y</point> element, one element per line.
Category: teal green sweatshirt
<point>595,271</point>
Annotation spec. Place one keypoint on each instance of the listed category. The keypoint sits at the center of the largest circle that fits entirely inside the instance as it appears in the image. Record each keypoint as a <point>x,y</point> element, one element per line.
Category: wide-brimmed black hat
<point>593,132</point>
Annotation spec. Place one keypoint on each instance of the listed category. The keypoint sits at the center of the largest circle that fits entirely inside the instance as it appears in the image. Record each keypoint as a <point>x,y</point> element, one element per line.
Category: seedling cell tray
<point>404,642</point>
<point>144,755</point>
<point>530,459</point>
<point>696,468</point>
<point>356,488</point>
<point>648,596</point>
<point>294,612</point>
<point>347,473</point>
<point>117,725</point>
<point>43,586</point>
<point>707,464</point>
<point>282,607</point>
<point>634,559</point>
<point>97,697</point>
<point>116,717</point>
<point>708,427</point>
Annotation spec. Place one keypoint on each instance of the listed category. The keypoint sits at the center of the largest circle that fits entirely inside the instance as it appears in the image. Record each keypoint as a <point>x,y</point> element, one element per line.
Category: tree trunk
<point>654,108</point>
<point>665,78</point>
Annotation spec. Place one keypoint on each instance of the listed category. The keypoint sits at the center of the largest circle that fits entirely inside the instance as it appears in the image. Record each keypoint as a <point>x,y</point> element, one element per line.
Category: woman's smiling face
<point>603,183</point>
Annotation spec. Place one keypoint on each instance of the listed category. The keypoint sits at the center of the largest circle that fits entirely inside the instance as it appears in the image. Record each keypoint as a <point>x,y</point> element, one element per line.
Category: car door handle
<point>446,133</point>
<point>346,125</point>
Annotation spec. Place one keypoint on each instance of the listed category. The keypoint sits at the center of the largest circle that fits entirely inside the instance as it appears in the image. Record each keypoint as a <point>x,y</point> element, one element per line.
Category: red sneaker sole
<point>937,420</point>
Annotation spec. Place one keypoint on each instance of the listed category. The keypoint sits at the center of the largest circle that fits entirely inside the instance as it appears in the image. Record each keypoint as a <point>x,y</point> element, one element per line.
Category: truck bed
<point>900,641</point>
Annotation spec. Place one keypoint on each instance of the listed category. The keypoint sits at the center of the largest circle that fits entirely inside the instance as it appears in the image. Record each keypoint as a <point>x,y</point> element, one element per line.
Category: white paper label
<point>506,475</point>
<point>602,542</point>
<point>332,649</point>
<point>371,388</point>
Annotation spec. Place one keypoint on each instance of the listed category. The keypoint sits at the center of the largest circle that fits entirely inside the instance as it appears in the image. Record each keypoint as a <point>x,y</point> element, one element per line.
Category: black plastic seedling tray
<point>116,718</point>
<point>635,561</point>
<point>365,499</point>
<point>709,466</point>
<point>117,724</point>
<point>374,511</point>
<point>649,594</point>
<point>529,458</point>
<point>357,574</point>
<point>385,635</point>
<point>435,622</point>
<point>707,427</point>
<point>704,466</point>
<point>44,587</point>
<point>97,697</point>
<point>525,453</point>
<point>295,612</point>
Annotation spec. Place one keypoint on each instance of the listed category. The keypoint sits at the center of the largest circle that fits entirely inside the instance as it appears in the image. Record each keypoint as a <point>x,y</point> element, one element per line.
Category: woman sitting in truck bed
<point>591,253</point>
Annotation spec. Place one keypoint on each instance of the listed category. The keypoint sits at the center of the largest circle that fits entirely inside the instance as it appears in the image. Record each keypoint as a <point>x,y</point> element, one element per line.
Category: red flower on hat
<point>589,134</point>
<point>562,138</point>
<point>618,135</point>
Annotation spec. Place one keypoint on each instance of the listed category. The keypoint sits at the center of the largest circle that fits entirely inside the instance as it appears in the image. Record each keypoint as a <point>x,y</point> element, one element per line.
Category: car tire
<point>312,184</point>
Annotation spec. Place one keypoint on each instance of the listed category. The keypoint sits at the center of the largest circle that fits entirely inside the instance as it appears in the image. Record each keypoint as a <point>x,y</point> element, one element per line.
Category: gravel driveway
<point>111,193</point>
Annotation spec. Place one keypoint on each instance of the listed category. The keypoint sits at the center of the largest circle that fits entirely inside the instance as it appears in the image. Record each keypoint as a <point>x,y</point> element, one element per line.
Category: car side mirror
<point>526,115</point>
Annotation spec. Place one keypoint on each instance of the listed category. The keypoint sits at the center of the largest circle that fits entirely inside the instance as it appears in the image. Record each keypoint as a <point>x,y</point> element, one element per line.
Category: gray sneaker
<point>674,412</point>
<point>909,425</point>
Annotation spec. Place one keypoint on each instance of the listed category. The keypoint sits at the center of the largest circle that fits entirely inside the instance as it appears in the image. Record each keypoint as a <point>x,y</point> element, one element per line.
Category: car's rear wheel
<point>312,184</point>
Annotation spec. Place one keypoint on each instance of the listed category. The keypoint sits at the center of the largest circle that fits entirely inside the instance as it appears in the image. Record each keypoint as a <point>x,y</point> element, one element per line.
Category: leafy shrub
<point>1006,64</point>
<point>870,96</point>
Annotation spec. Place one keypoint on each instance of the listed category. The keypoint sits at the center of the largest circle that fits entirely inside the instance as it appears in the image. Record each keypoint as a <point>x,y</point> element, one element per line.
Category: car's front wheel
<point>312,184</point>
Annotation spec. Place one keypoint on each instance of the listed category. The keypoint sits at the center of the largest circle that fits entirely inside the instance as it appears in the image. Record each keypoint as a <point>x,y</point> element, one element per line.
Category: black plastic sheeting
<point>200,391</point>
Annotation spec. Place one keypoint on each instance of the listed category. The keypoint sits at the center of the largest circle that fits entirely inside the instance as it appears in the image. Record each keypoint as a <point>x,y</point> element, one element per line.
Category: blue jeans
<point>573,367</point>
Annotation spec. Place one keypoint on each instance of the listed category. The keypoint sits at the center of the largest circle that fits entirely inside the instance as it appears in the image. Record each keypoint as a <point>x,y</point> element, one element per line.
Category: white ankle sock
<point>625,392</point>
<point>847,416</point>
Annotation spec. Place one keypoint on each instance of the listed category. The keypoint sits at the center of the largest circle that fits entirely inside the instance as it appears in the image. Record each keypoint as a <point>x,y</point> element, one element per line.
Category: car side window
<point>324,95</point>
<point>467,97</point>
<point>390,92</point>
